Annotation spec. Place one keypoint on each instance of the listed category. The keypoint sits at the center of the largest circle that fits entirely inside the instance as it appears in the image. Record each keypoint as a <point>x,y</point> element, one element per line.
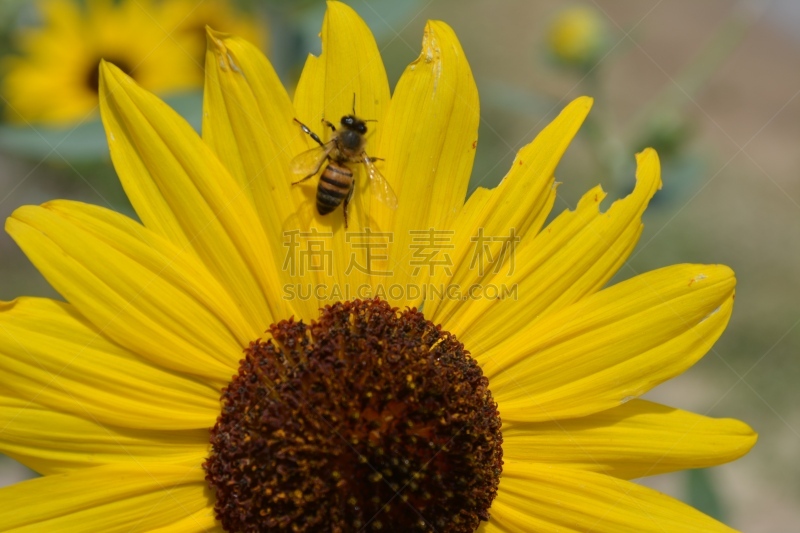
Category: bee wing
<point>308,163</point>
<point>380,187</point>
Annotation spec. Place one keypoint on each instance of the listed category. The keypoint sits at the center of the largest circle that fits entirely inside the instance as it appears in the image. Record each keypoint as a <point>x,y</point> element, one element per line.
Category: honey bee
<point>336,183</point>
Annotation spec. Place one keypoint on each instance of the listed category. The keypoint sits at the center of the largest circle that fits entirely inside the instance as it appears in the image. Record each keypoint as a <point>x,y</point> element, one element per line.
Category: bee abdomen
<point>334,186</point>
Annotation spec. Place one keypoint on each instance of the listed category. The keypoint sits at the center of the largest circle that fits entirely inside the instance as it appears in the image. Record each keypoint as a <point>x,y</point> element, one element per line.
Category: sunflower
<point>377,407</point>
<point>54,79</point>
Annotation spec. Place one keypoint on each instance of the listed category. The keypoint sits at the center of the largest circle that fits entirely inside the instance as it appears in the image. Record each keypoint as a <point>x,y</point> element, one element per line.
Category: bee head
<point>350,122</point>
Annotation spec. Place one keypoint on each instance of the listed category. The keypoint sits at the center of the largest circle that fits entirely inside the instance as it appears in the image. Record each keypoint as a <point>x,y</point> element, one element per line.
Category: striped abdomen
<point>335,184</point>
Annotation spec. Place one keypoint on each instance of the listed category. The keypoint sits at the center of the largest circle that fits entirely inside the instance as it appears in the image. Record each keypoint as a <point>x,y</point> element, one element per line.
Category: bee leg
<point>302,180</point>
<point>345,204</point>
<point>310,134</point>
<point>373,159</point>
<point>329,124</point>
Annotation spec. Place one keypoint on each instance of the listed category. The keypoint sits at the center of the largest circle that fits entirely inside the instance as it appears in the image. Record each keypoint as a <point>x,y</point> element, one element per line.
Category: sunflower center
<point>368,419</point>
<point>93,74</point>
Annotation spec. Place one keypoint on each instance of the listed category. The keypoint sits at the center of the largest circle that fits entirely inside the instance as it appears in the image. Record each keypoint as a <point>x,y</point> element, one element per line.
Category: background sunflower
<point>53,79</point>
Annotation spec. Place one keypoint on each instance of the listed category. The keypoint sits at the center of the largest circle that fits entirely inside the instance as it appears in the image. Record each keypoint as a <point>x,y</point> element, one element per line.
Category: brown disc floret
<point>369,418</point>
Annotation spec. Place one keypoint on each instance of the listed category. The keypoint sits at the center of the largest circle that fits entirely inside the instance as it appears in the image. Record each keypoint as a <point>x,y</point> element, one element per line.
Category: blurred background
<point>712,85</point>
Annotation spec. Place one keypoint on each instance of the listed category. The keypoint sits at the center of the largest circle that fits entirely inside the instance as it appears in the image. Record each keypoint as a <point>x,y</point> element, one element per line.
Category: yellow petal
<point>53,356</point>
<point>571,258</point>
<point>350,67</point>
<point>51,442</point>
<point>202,521</point>
<point>636,439</point>
<point>135,288</point>
<point>520,204</point>
<point>612,346</point>
<point>548,498</point>
<point>109,498</point>
<point>180,190</point>
<point>248,122</point>
<point>428,139</point>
